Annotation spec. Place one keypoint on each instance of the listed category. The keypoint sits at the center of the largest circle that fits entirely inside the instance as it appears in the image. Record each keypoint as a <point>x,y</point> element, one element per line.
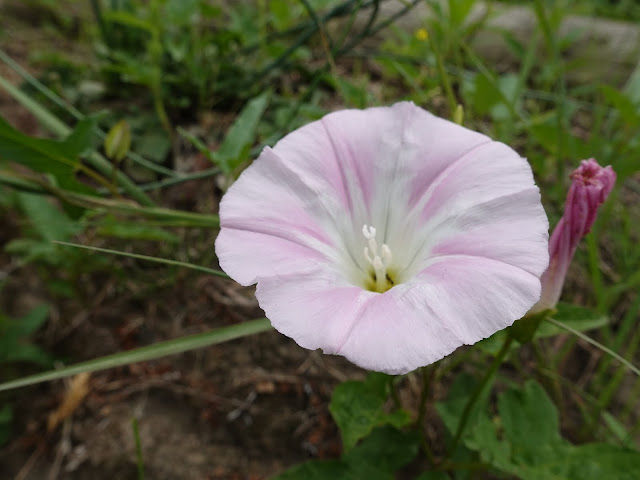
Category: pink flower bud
<point>590,187</point>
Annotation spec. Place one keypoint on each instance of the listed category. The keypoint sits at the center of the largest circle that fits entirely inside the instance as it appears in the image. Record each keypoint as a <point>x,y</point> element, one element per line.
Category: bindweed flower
<point>590,187</point>
<point>386,235</point>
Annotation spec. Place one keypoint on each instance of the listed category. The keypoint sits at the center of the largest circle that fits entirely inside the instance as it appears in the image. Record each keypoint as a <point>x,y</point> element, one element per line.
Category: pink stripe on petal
<point>522,243</point>
<point>488,172</point>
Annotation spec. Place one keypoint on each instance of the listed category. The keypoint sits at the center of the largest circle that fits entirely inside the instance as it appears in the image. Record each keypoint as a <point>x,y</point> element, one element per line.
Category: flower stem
<point>394,395</point>
<point>497,361</point>
<point>427,377</point>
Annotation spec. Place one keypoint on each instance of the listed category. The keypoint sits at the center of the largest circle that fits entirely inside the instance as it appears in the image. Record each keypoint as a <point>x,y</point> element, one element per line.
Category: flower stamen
<point>379,262</point>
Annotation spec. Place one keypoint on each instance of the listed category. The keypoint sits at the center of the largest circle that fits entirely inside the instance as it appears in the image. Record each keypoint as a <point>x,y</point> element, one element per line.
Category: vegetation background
<point>145,112</point>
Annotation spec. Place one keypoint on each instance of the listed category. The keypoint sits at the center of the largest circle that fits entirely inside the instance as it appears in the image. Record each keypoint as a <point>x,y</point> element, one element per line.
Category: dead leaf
<point>77,391</point>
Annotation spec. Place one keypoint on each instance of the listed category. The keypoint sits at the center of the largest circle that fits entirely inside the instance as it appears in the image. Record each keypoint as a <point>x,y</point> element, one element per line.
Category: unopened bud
<point>118,141</point>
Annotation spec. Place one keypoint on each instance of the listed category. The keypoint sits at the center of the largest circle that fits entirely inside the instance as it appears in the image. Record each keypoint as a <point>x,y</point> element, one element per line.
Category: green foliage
<point>114,227</point>
<point>461,390</point>
<point>523,439</point>
<point>358,407</point>
<point>206,55</point>
<point>14,338</point>
<point>378,457</point>
<point>61,160</point>
<point>46,223</point>
<point>582,319</point>
<point>6,415</point>
<point>235,148</point>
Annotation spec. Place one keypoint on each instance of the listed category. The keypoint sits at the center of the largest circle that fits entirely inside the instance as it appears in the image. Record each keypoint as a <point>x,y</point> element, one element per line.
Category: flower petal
<point>316,309</point>
<point>274,219</point>
<point>393,332</point>
<point>517,219</point>
<point>457,300</point>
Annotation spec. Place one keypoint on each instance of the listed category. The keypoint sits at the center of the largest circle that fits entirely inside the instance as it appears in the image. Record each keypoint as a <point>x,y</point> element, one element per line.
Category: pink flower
<point>590,187</point>
<point>387,235</point>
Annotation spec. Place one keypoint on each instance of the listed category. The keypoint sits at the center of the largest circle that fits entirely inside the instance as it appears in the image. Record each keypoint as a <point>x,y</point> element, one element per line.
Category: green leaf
<point>352,94</point>
<point>387,449</point>
<point>235,147</point>
<point>619,431</point>
<point>377,457</point>
<point>451,410</point>
<point>59,128</point>
<point>120,229</point>
<point>32,321</point>
<point>6,415</point>
<point>150,352</point>
<point>530,422</point>
<point>525,441</point>
<point>358,407</point>
<point>14,344</point>
<point>629,111</point>
<point>57,158</point>
<point>48,221</point>
<point>602,461</point>
<point>577,317</point>
<point>153,144</point>
<point>128,19</point>
<point>459,11</point>
<point>181,12</point>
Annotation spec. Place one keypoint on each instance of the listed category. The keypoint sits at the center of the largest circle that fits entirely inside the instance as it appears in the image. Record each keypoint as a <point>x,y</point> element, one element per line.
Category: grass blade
<point>150,352</point>
<point>136,437</point>
<point>59,128</point>
<point>596,344</point>
<point>167,261</point>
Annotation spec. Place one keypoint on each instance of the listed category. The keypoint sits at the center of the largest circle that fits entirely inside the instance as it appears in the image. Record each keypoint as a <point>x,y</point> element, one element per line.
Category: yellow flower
<point>422,34</point>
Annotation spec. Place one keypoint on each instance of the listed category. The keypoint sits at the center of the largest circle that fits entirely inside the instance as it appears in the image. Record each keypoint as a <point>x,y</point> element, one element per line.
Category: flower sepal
<point>523,330</point>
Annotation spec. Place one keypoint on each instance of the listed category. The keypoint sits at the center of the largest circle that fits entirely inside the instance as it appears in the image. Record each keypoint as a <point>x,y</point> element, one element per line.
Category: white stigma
<point>381,261</point>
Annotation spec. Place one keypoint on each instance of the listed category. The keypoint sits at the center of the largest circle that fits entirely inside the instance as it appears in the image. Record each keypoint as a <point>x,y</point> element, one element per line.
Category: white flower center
<point>381,281</point>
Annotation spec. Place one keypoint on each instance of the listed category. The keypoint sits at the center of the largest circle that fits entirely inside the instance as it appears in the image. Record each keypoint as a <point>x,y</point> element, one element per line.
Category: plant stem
<point>427,377</point>
<point>102,26</point>
<point>136,437</point>
<point>444,78</point>
<point>497,361</point>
